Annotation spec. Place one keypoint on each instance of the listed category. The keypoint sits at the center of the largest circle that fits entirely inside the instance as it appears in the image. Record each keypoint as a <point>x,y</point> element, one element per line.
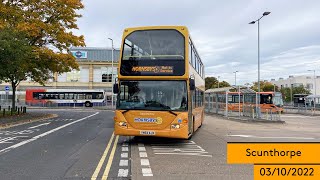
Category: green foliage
<point>265,86</point>
<point>212,82</point>
<point>224,84</point>
<point>42,31</point>
<point>16,57</point>
<point>287,94</point>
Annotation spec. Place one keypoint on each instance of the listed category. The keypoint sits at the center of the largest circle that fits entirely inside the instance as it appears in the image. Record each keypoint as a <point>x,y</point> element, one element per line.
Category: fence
<point>241,105</point>
<point>304,110</point>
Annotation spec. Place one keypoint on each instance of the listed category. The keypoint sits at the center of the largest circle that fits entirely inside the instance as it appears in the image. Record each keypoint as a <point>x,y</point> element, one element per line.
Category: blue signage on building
<point>79,54</point>
<point>7,88</point>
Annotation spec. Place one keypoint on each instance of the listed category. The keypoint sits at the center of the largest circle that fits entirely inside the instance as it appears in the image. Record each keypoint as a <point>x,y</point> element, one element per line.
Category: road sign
<point>7,88</point>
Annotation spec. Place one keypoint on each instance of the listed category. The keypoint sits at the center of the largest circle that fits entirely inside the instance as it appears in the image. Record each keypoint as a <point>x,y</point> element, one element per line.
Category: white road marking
<point>142,148</point>
<point>293,116</point>
<point>123,173</point>
<point>144,162</point>
<point>124,162</point>
<point>23,132</point>
<point>175,144</point>
<point>125,149</point>
<point>43,134</point>
<point>188,154</point>
<point>124,155</point>
<point>270,137</point>
<point>147,172</point>
<point>188,148</point>
<point>240,135</point>
<point>7,140</point>
<point>143,154</point>
<point>44,124</point>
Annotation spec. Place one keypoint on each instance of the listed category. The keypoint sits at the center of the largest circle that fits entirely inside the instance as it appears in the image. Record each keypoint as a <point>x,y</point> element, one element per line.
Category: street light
<point>111,72</point>
<point>235,84</point>
<point>218,81</point>
<point>235,78</point>
<point>291,86</point>
<point>253,22</point>
<point>315,87</point>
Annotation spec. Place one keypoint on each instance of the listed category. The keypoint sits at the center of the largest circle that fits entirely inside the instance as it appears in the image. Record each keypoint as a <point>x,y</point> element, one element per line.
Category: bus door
<point>191,107</point>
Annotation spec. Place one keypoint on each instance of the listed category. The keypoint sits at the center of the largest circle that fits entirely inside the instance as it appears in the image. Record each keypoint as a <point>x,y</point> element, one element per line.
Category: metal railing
<point>219,103</point>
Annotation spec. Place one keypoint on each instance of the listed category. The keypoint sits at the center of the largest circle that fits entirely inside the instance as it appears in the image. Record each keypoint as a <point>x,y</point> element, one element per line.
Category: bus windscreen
<point>153,52</point>
<point>153,95</point>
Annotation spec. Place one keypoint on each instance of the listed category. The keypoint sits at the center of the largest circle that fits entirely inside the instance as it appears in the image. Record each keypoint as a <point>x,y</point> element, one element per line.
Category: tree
<point>47,27</point>
<point>210,82</point>
<point>287,95</point>
<point>265,86</point>
<point>15,58</point>
<point>224,84</point>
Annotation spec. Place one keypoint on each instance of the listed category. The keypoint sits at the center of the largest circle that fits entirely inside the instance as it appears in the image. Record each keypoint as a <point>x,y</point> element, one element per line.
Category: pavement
<point>79,144</point>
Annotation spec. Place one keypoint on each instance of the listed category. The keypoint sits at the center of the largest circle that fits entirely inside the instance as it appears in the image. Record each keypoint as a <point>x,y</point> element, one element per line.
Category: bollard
<point>267,113</point>
<point>18,111</point>
<point>16,108</point>
<point>24,109</point>
<point>4,112</point>
<point>0,108</point>
<point>11,111</point>
<point>9,108</point>
<point>21,108</point>
<point>252,113</point>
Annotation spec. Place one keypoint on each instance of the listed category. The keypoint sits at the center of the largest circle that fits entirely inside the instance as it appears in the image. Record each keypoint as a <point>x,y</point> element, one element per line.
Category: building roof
<point>95,54</point>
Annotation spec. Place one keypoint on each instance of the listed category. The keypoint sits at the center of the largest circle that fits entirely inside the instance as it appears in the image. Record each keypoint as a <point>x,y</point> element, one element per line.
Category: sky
<point>289,36</point>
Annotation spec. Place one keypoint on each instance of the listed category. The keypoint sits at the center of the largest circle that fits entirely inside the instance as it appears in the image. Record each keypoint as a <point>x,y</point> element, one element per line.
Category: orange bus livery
<point>160,88</point>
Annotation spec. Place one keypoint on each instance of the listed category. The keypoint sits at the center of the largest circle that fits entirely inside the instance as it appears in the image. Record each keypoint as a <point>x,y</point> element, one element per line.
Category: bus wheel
<point>87,104</point>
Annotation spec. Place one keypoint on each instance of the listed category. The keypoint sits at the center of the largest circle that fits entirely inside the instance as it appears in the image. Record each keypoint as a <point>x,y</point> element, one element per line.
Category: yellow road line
<point>104,155</point>
<point>106,171</point>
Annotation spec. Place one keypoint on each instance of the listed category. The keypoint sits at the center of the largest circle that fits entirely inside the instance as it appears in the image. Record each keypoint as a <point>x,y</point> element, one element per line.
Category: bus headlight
<point>175,126</point>
<point>123,124</point>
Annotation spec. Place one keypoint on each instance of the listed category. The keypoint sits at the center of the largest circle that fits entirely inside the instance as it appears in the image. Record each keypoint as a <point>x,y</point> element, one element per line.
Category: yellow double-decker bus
<point>160,83</point>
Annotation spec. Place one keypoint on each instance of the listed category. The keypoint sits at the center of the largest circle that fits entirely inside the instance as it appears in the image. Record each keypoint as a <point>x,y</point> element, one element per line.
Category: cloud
<point>289,37</point>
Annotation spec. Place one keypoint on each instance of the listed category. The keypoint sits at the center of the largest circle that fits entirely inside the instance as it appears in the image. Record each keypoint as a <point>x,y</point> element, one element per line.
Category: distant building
<point>296,81</point>
<point>94,71</point>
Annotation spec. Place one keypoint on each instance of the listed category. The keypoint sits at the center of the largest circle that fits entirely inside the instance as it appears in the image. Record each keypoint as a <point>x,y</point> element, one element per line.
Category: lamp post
<point>218,81</point>
<point>315,88</point>
<point>111,72</point>
<point>253,22</point>
<point>291,86</point>
<point>235,84</point>
<point>235,78</point>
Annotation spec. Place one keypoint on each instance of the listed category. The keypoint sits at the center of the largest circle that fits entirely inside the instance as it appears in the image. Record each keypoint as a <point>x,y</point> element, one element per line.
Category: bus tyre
<point>88,104</point>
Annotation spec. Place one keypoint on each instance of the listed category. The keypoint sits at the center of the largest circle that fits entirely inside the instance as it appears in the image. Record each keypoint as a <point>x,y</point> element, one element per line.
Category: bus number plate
<point>147,133</point>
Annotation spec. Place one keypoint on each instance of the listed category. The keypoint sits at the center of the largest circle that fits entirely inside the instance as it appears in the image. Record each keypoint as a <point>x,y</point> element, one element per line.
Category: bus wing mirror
<point>192,84</point>
<point>115,88</point>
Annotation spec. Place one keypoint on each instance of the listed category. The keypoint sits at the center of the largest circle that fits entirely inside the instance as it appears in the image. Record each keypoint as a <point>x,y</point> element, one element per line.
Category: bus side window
<point>88,96</point>
<point>81,96</point>
<point>35,95</point>
<point>61,95</point>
